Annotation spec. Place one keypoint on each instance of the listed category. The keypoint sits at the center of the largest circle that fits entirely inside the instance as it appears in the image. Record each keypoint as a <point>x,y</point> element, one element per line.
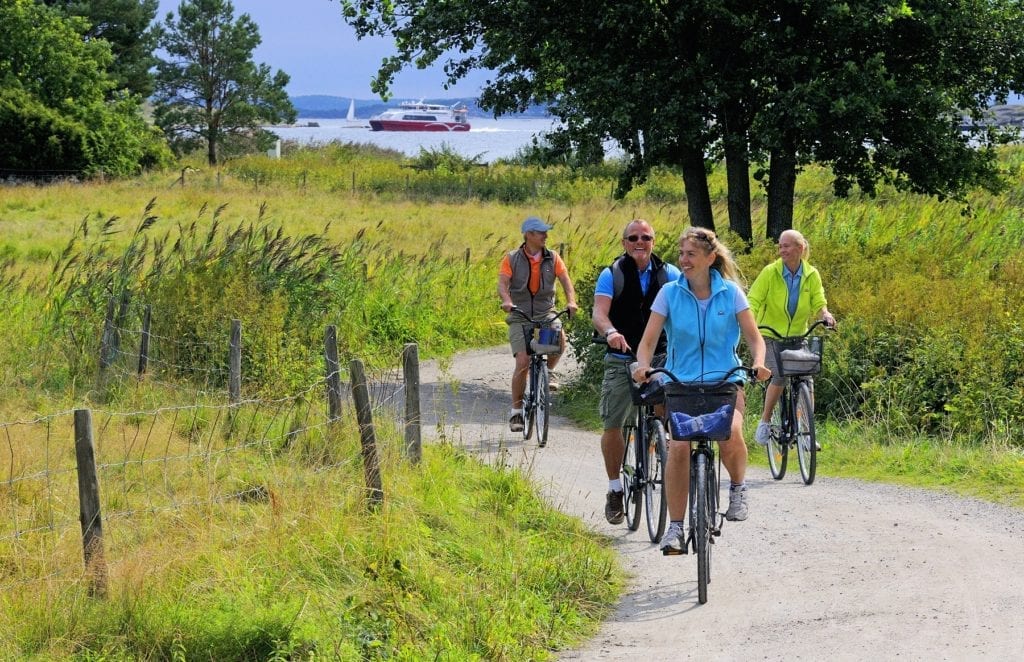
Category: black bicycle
<point>792,426</point>
<point>543,337</point>
<point>645,457</point>
<point>701,413</point>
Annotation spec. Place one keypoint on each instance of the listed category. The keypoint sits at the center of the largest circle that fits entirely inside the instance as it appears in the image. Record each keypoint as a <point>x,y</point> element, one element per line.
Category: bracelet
<point>610,331</point>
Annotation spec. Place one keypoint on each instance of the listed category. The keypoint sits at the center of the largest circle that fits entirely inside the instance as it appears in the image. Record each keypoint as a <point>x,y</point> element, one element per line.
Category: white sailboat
<point>350,119</point>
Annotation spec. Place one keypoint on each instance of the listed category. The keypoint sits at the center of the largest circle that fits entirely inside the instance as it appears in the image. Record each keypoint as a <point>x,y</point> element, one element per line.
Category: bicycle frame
<point>794,426</point>
<point>537,396</point>
<point>643,462</point>
<point>705,520</point>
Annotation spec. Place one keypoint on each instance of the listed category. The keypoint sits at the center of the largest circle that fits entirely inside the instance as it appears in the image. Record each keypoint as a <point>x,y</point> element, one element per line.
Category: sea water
<point>486,141</point>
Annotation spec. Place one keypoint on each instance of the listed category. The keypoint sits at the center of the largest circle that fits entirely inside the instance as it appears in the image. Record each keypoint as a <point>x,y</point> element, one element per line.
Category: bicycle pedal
<point>673,552</point>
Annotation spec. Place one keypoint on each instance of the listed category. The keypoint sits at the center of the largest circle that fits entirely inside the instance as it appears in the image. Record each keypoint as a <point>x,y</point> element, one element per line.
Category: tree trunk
<point>781,188</point>
<point>737,169</point>
<point>698,198</point>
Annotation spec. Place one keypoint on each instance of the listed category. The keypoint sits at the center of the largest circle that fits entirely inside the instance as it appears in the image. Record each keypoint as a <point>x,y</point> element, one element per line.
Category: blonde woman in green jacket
<point>786,296</point>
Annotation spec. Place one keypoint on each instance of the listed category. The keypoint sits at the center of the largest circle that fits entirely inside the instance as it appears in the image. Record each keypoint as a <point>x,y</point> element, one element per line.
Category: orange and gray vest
<point>541,302</point>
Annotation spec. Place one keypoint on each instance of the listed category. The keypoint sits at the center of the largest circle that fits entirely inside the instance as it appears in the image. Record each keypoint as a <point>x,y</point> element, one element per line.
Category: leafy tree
<point>54,111</point>
<point>873,89</point>
<point>211,92</point>
<point>127,25</point>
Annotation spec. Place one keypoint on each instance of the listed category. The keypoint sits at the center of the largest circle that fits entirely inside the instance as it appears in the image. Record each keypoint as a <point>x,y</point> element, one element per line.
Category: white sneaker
<point>763,434</point>
<point>674,541</point>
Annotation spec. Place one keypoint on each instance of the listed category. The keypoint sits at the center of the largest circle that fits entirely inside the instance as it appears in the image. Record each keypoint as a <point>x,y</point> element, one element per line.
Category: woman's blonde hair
<point>724,262</point>
<point>797,236</point>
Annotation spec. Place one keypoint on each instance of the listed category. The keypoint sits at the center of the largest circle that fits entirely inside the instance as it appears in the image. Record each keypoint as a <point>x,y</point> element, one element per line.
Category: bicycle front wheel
<point>778,445</point>
<point>702,526</point>
<point>543,403</point>
<point>529,402</point>
<point>654,483</point>
<point>631,472</point>
<point>807,443</point>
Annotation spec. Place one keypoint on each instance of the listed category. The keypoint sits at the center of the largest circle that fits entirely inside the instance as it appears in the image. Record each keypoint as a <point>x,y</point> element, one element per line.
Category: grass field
<point>923,386</point>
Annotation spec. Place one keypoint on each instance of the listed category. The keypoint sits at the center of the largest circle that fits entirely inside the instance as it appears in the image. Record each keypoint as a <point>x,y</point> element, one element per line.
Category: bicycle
<point>543,337</point>
<point>701,413</point>
<point>645,457</point>
<point>798,359</point>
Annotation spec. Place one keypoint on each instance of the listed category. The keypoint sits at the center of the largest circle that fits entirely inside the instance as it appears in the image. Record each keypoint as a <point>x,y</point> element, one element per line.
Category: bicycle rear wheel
<point>543,404</point>
<point>630,475</point>
<point>778,445</point>
<point>654,485</point>
<point>702,526</point>
<point>806,444</point>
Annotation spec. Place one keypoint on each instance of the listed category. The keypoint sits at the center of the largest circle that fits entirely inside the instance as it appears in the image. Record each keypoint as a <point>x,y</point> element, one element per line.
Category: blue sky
<point>309,41</point>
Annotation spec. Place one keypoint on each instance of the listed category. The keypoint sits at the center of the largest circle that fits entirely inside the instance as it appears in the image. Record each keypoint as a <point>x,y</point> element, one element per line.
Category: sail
<point>351,117</point>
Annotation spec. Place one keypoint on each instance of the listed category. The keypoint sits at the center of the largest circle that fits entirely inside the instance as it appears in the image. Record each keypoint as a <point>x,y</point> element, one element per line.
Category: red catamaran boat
<point>419,116</point>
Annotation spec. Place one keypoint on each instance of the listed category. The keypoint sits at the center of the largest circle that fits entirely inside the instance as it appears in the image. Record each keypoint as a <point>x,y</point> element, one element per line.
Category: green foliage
<point>308,577</point>
<point>210,92</point>
<point>55,110</point>
<point>126,26</point>
<point>444,159</point>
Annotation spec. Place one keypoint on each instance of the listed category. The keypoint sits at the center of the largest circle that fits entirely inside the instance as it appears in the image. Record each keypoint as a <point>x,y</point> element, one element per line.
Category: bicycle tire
<point>543,404</point>
<point>806,446</point>
<point>630,475</point>
<point>656,502</point>
<point>529,398</point>
<point>778,444</point>
<point>702,527</point>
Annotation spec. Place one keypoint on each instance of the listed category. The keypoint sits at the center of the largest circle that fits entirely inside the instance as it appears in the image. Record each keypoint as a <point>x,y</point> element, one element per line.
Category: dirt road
<point>840,570</point>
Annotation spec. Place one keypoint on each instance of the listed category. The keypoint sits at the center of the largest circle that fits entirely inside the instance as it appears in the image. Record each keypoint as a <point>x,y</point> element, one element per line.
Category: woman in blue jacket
<point>703,315</point>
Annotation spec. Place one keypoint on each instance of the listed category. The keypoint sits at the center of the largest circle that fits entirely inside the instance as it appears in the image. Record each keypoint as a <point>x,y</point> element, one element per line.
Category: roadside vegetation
<point>923,385</point>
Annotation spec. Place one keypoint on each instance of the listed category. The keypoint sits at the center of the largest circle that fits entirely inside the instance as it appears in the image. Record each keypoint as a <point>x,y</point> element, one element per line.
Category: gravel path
<point>841,570</point>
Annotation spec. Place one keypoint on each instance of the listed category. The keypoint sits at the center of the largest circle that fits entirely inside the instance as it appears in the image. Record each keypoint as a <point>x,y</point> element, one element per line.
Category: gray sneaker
<point>613,510</point>
<point>674,540</point>
<point>516,423</point>
<point>737,503</point>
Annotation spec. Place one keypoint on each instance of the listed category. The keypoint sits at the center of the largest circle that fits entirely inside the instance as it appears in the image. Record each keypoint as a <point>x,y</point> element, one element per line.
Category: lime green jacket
<point>769,297</point>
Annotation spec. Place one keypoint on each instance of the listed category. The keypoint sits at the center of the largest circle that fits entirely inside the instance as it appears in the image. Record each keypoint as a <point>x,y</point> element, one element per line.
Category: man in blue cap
<point>526,280</point>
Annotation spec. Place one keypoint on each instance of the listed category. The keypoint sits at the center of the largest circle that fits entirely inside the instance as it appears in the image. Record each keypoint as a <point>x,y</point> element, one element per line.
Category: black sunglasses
<point>633,238</point>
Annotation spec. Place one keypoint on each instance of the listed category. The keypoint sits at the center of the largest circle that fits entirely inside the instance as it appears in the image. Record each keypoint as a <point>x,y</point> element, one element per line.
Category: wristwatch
<point>609,331</point>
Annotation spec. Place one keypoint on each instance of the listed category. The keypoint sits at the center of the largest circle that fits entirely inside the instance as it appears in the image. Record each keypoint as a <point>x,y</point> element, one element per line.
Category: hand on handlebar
<point>507,306</point>
<point>640,373</point>
<point>761,373</point>
<point>572,308</point>
<point>618,341</point>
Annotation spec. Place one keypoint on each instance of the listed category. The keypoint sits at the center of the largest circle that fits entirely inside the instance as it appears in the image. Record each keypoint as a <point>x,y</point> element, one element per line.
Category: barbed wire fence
<point>75,479</point>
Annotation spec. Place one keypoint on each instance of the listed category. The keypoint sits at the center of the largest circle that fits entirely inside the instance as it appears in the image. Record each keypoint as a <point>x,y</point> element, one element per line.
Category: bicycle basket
<point>804,359</point>
<point>700,410</point>
<point>547,340</point>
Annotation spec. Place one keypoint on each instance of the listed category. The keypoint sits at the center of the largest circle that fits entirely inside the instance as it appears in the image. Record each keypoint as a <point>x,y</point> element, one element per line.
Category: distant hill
<point>324,106</point>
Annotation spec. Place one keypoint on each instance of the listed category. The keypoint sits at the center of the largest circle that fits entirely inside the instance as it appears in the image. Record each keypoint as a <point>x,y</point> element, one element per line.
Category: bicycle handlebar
<point>780,336</point>
<point>538,322</point>
<point>750,371</point>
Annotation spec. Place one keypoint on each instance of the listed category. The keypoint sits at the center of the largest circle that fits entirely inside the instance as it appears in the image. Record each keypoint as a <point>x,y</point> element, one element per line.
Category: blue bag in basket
<point>716,425</point>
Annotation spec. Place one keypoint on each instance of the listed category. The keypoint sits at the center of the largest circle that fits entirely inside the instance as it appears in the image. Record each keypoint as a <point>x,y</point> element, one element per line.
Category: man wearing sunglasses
<point>622,306</point>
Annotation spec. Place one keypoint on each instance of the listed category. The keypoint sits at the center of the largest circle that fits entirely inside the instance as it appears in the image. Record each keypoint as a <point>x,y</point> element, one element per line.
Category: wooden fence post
<point>332,368</point>
<point>107,340</point>
<point>367,437</point>
<point>89,504</point>
<point>144,340</point>
<point>235,363</point>
<point>411,371</point>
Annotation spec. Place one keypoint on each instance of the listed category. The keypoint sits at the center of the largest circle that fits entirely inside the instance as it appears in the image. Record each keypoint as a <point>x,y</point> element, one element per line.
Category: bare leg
<point>613,448</point>
<point>519,379</point>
